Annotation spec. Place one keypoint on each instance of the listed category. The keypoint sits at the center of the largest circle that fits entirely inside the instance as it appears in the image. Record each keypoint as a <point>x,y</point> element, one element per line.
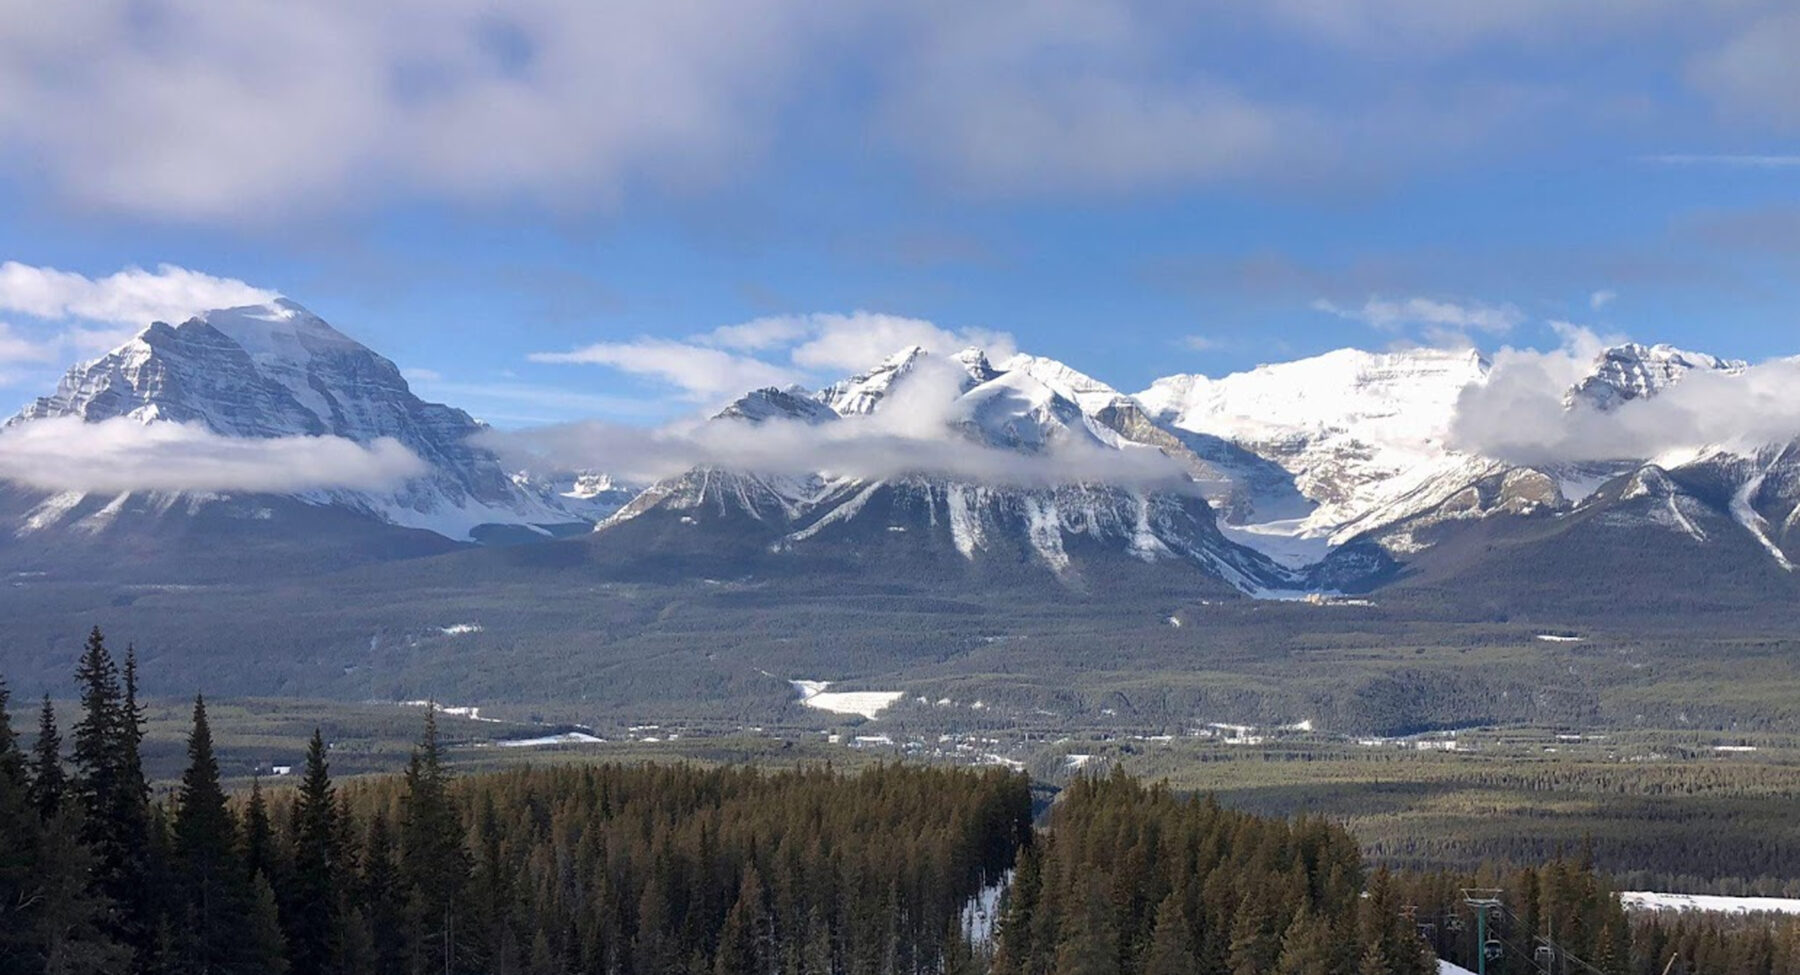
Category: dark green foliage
<point>313,909</point>
<point>109,781</point>
<point>1130,879</point>
<point>434,864</point>
<point>48,781</point>
<point>215,894</point>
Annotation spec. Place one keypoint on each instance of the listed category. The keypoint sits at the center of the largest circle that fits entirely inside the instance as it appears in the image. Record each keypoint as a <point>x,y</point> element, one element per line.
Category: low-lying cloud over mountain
<point>916,432</point>
<point>122,455</point>
<point>1525,413</point>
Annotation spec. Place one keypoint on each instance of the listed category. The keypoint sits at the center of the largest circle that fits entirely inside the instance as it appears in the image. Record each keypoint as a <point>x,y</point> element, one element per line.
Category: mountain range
<point>961,520</point>
<point>1335,473</point>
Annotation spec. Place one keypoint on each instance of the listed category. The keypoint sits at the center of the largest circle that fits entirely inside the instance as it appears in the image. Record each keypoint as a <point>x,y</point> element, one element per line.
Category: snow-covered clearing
<point>869,704</point>
<point>566,738</point>
<point>1645,900</point>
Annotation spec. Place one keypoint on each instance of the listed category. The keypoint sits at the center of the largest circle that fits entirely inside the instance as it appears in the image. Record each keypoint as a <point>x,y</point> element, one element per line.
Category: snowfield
<point>869,704</point>
<point>1644,900</point>
<point>566,738</point>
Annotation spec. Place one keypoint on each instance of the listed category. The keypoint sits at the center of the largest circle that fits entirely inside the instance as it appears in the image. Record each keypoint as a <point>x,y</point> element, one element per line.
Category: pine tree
<point>48,781</point>
<point>69,922</point>
<point>314,897</point>
<point>383,898</point>
<point>19,838</point>
<point>214,896</point>
<point>264,949</point>
<point>1307,947</point>
<point>1253,946</point>
<point>1171,944</point>
<point>434,866</point>
<point>259,836</point>
<point>110,784</point>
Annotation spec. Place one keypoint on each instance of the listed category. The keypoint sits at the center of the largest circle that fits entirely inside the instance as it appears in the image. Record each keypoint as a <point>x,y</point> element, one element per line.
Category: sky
<point>558,209</point>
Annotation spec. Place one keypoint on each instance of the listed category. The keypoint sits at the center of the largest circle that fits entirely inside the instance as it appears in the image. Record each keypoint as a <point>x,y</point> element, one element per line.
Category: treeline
<point>609,870</point>
<point>646,870</point>
<point>1132,880</point>
<point>1564,916</point>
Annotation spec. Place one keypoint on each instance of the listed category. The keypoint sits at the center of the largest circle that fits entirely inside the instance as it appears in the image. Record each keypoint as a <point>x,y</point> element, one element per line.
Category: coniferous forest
<point>659,870</point>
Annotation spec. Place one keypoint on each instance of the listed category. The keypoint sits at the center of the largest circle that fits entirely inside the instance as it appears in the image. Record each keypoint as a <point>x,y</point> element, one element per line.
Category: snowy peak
<point>278,370</point>
<point>864,393</point>
<point>1355,432</point>
<point>1632,371</point>
<point>771,403</point>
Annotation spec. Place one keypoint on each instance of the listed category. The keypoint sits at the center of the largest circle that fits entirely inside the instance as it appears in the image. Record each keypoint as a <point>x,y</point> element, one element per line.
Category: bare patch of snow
<point>869,704</point>
<point>566,738</point>
<point>1645,900</point>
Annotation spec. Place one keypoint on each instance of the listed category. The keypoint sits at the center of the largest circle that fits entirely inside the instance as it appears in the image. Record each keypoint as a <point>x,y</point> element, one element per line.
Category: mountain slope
<point>911,517</point>
<point>269,371</point>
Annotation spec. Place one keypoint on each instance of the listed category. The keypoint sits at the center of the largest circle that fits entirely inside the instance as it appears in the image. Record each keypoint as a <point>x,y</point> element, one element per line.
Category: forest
<point>649,869</point>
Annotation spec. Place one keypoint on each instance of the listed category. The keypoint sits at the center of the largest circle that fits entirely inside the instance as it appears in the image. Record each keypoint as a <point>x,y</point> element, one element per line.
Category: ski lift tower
<point>1483,900</point>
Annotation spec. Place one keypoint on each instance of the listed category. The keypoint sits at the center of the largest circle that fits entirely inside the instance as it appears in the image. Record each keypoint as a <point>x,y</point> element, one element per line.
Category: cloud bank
<point>133,297</point>
<point>1442,322</point>
<point>849,448</point>
<point>122,455</point>
<point>1522,415</point>
<point>925,427</point>
<point>732,359</point>
<point>184,110</point>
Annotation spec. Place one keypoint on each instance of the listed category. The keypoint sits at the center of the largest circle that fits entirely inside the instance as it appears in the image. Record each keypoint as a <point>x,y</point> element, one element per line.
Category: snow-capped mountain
<point>1329,472</point>
<point>1025,406</point>
<point>1346,441</point>
<point>1632,371</point>
<point>278,370</point>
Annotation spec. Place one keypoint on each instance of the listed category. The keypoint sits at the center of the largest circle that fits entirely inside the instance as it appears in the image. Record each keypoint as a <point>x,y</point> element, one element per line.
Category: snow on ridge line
<point>1646,900</point>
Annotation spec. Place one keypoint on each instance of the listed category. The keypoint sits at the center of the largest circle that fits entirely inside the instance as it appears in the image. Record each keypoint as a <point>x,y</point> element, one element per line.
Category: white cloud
<point>120,455</point>
<point>816,347</point>
<point>193,111</point>
<point>189,112</point>
<point>133,297</point>
<point>1435,314</point>
<point>1198,343</point>
<point>699,371</point>
<point>16,348</point>
<point>1600,299</point>
<point>1521,413</point>
<point>861,339</point>
<point>915,437</point>
<point>759,333</point>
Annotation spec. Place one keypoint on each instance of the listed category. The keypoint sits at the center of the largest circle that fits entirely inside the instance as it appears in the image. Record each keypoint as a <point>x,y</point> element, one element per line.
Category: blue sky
<point>1137,188</point>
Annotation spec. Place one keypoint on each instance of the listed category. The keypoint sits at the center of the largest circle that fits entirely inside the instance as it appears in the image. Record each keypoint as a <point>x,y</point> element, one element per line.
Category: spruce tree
<point>1171,945</point>
<point>48,781</point>
<point>1307,948</point>
<point>264,949</point>
<point>313,907</point>
<point>19,829</point>
<point>214,895</point>
<point>109,782</point>
<point>259,836</point>
<point>70,923</point>
<point>383,898</point>
<point>434,866</point>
